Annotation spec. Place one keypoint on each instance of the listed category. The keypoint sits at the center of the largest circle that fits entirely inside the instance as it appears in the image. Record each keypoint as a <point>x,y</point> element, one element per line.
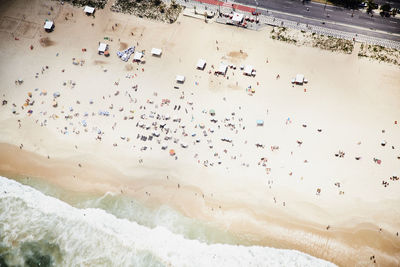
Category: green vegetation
<point>385,10</point>
<point>386,7</point>
<point>370,6</point>
<point>92,3</point>
<point>282,37</point>
<point>346,3</point>
<point>312,39</point>
<point>153,9</point>
<point>380,53</point>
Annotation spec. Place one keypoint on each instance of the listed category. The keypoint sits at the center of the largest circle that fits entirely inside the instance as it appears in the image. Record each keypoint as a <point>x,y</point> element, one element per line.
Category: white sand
<point>352,100</point>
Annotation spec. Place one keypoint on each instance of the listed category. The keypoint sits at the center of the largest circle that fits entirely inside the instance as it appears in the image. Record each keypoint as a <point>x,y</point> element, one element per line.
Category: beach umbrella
<point>171,152</point>
<point>212,112</point>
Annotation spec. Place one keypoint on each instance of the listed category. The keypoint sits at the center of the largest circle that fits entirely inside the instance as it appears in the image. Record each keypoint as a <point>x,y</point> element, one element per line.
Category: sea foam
<point>36,227</point>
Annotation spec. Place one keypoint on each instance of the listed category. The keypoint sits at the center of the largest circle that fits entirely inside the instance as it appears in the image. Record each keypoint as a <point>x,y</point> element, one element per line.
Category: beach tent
<point>137,56</point>
<point>222,69</point>
<point>260,122</point>
<point>201,64</point>
<point>180,78</point>
<point>237,17</point>
<point>88,10</point>
<point>102,48</point>
<point>212,112</point>
<point>299,79</point>
<point>248,70</point>
<point>172,152</point>
<point>184,145</point>
<point>156,52</point>
<point>48,26</point>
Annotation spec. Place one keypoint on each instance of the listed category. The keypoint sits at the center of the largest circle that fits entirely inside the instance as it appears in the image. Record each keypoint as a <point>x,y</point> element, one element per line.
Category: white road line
<point>392,21</point>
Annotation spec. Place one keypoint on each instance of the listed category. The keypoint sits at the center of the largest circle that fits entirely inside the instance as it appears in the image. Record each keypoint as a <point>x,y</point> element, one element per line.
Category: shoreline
<point>280,234</point>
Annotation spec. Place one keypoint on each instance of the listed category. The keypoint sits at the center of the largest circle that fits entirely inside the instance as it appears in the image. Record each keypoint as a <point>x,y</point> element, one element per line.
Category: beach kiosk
<point>102,48</point>
<point>156,52</point>
<point>201,64</point>
<point>137,57</point>
<point>248,70</point>
<point>223,68</point>
<point>88,10</point>
<point>237,18</point>
<point>48,26</point>
<point>180,78</point>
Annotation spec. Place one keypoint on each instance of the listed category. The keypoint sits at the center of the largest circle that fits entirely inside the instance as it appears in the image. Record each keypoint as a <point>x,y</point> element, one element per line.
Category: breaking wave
<point>39,230</point>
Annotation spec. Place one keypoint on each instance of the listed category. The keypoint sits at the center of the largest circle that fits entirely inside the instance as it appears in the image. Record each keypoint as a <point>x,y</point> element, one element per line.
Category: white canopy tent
<point>299,79</point>
<point>88,10</point>
<point>48,25</point>
<point>201,64</point>
<point>223,68</point>
<point>102,47</point>
<point>237,17</point>
<point>248,70</point>
<point>156,52</point>
<point>180,78</point>
<point>138,56</point>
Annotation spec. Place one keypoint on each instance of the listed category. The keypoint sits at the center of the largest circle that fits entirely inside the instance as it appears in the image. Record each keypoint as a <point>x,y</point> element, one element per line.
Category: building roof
<point>201,64</point>
<point>48,25</point>
<point>89,9</point>
<point>102,47</point>
<point>237,17</point>
<point>156,51</point>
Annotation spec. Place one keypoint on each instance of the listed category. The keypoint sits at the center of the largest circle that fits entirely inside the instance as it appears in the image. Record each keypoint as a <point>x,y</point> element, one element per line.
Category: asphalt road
<point>333,17</point>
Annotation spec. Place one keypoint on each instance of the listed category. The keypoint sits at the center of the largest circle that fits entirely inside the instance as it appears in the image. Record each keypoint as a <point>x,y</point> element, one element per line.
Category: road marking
<point>392,21</point>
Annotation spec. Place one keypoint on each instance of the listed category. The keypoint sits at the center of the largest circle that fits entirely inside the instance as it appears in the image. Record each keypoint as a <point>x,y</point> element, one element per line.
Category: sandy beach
<point>319,176</point>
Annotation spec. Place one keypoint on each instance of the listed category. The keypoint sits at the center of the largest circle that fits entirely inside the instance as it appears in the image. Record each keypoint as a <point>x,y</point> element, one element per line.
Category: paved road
<point>334,17</point>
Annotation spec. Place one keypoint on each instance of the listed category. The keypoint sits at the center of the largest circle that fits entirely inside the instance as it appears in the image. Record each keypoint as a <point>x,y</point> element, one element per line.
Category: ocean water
<point>41,230</point>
